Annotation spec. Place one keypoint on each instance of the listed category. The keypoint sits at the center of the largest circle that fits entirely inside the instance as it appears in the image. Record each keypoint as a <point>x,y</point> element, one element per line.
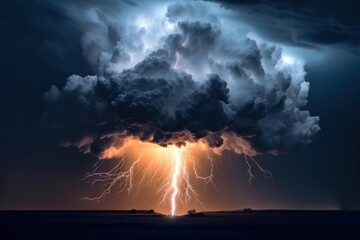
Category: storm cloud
<point>183,74</point>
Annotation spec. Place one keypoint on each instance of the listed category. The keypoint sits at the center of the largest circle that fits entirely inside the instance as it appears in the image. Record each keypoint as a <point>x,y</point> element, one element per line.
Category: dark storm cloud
<point>197,83</point>
<point>151,101</point>
<point>303,23</point>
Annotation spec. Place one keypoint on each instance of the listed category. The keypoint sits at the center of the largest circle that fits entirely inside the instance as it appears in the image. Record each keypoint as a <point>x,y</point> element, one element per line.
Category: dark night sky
<point>41,47</point>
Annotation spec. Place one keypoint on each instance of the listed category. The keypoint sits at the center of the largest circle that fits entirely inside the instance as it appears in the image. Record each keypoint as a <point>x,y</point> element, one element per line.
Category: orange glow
<point>171,172</point>
<point>171,169</point>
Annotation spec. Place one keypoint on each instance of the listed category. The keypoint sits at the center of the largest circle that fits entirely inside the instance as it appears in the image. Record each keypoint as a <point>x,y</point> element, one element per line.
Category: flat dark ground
<point>220,225</point>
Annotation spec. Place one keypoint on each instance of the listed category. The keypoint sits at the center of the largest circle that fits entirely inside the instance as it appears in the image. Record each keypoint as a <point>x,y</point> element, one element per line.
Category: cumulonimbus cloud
<point>185,74</point>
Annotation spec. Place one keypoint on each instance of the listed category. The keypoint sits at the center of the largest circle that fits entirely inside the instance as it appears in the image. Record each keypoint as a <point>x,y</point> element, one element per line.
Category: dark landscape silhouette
<point>146,224</point>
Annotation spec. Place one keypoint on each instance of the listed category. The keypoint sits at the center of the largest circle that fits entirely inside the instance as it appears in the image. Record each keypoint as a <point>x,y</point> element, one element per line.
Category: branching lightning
<point>251,176</point>
<point>173,169</point>
<point>113,177</point>
<point>266,173</point>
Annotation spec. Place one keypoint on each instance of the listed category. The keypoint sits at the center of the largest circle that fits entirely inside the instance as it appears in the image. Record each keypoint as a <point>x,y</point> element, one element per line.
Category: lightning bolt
<point>174,181</point>
<point>266,173</point>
